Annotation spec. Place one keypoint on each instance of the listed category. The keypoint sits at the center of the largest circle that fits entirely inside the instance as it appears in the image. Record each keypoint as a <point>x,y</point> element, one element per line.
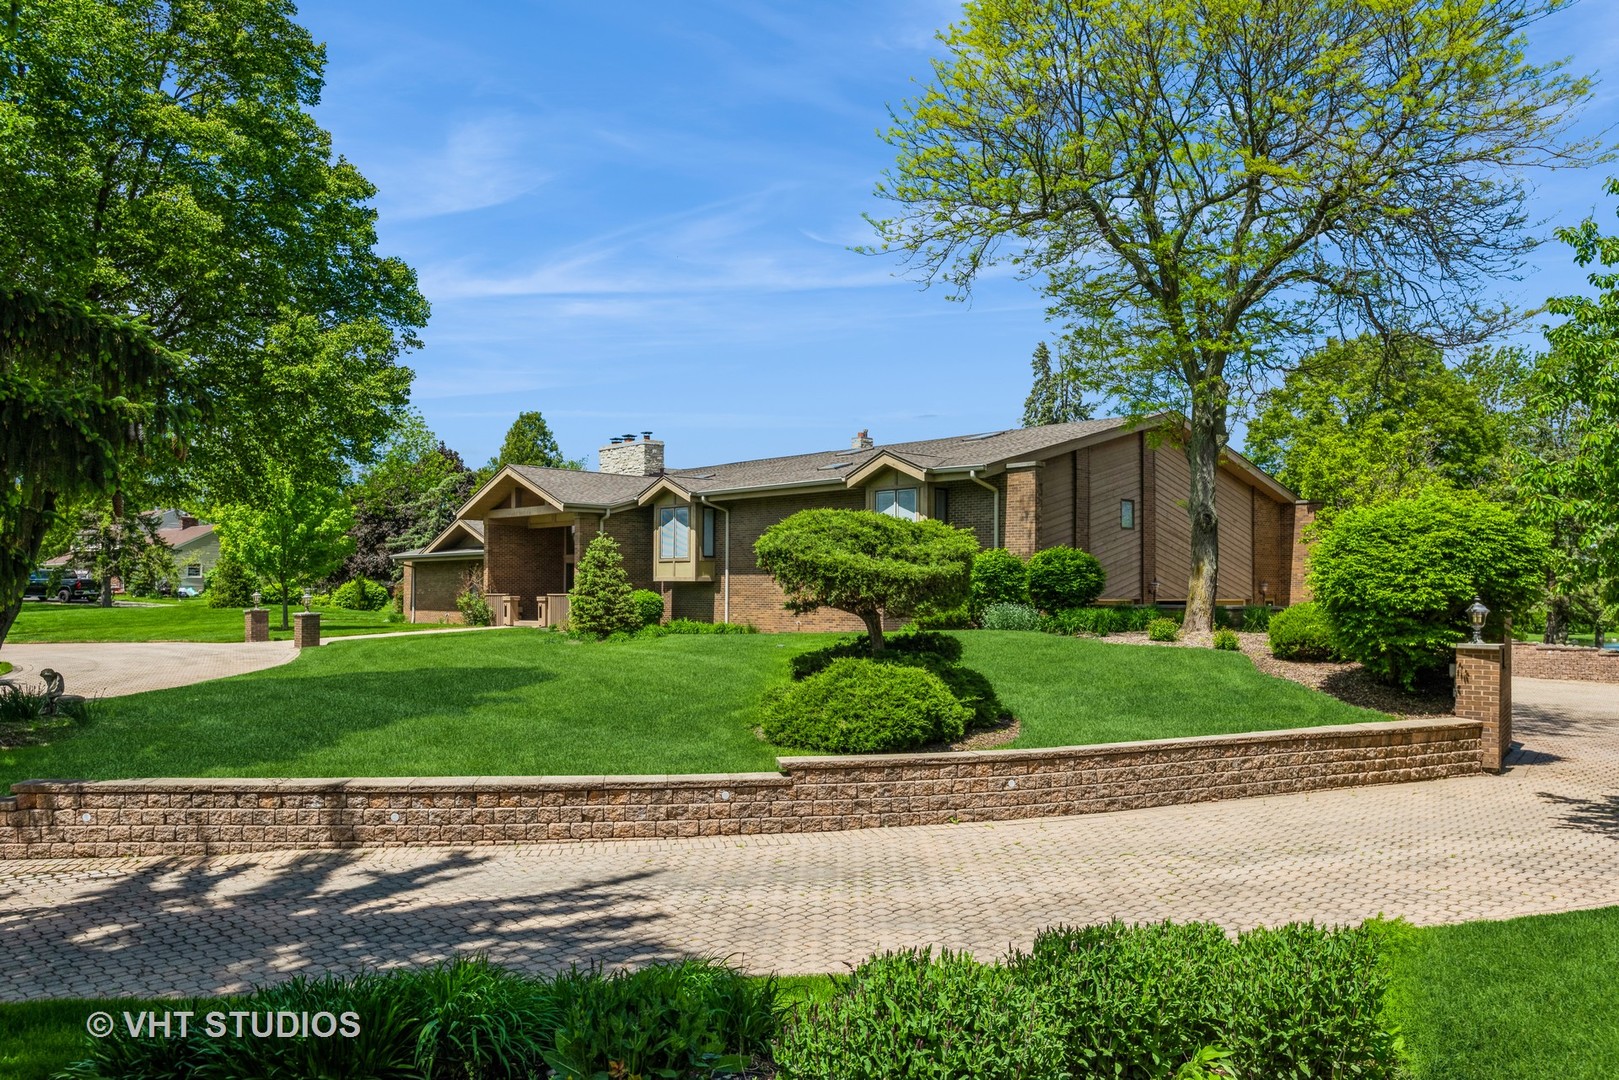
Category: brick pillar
<point>306,629</point>
<point>1021,511</point>
<point>1484,693</point>
<point>256,624</point>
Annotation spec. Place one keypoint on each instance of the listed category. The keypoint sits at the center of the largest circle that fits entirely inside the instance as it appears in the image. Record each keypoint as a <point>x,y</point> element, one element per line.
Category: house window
<point>194,570</point>
<point>674,532</point>
<point>896,502</point>
<point>941,504</point>
<point>1127,513</point>
<point>709,514</point>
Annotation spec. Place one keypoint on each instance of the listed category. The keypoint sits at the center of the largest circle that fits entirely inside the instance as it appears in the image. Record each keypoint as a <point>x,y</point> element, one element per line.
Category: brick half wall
<point>1578,662</point>
<point>64,819</point>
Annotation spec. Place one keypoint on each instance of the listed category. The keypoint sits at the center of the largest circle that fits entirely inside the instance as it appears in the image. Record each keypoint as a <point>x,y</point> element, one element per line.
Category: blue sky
<point>636,216</point>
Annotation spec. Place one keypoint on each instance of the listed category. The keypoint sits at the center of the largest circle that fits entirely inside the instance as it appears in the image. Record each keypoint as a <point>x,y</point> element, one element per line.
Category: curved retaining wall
<point>1581,662</point>
<point>78,819</point>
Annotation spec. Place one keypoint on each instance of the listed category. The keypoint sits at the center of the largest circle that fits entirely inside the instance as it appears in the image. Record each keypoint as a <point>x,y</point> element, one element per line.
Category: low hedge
<point>648,606</point>
<point>360,594</point>
<point>1302,632</point>
<point>859,706</point>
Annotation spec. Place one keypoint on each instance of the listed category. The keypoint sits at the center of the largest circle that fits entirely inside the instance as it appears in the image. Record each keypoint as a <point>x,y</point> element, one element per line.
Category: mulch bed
<point>1349,683</point>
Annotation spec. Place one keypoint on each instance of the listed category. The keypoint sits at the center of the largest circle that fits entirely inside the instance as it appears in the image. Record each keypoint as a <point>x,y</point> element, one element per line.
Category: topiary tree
<point>999,577</point>
<point>868,564</point>
<point>602,602</point>
<point>1396,579</point>
<point>1061,578</point>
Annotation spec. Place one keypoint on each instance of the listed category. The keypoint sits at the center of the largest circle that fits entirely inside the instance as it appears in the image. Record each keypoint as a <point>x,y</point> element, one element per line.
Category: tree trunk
<point>1558,609</point>
<point>8,616</point>
<point>874,630</point>
<point>18,557</point>
<point>286,604</point>
<point>1203,451</point>
<point>105,599</point>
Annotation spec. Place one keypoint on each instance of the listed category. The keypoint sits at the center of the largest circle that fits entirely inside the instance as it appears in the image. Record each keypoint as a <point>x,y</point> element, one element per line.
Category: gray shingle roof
<point>575,487</point>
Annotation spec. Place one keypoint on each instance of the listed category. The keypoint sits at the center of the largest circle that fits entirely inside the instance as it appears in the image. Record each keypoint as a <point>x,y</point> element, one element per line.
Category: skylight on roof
<point>702,476</point>
<point>836,465</point>
<point>985,435</point>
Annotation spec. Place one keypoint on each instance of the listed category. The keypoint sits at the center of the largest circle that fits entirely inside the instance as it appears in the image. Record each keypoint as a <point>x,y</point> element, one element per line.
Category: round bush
<point>230,583</point>
<point>1009,617</point>
<point>1063,577</point>
<point>999,577</point>
<point>1396,579</point>
<point>864,707</point>
<point>360,594</point>
<point>1227,641</point>
<point>1301,632</point>
<point>648,606</point>
<point>1163,630</point>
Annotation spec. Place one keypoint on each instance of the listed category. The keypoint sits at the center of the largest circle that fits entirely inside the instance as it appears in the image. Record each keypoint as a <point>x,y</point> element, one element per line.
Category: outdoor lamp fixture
<point>309,594</point>
<point>1264,593</point>
<point>257,596</point>
<point>1477,614</point>
<point>1154,588</point>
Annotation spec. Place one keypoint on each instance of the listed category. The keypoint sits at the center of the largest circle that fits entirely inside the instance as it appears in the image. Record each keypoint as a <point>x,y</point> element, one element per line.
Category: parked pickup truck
<point>69,585</point>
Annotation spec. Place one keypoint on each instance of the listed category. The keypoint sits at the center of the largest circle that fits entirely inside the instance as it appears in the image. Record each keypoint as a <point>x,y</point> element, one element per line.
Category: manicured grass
<point>528,702</point>
<point>4,667</point>
<point>38,1039</point>
<point>184,620</point>
<point>1526,999</point>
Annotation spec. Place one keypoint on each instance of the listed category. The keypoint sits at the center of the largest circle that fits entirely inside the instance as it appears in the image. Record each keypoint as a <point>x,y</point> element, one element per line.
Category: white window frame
<point>194,570</point>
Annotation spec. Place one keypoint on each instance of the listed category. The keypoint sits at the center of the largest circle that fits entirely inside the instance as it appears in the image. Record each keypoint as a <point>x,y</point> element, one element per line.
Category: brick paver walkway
<point>114,668</point>
<point>1543,838</point>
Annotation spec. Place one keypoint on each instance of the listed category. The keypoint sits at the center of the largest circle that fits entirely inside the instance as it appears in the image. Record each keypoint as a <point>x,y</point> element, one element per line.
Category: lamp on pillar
<point>257,596</point>
<point>1476,615</point>
<point>309,595</point>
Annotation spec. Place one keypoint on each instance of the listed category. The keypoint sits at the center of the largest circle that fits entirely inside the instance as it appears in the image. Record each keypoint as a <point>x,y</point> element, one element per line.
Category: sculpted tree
<point>1202,184</point>
<point>868,564</point>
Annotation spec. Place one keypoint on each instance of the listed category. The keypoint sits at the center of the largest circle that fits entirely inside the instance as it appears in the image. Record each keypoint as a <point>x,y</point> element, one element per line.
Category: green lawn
<point>184,620</point>
<point>1528,999</point>
<point>528,702</point>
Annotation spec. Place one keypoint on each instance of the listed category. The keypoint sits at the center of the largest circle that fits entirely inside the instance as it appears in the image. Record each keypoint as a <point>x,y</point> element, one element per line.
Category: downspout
<point>726,573</point>
<point>995,507</point>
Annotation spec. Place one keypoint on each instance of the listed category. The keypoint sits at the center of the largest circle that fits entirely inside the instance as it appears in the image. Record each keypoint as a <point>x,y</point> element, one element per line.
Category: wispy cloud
<point>478,164</point>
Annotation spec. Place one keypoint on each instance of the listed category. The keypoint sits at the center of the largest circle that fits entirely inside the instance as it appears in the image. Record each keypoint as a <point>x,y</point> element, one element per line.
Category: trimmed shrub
<point>230,583</point>
<point>1227,640</point>
<point>648,606</point>
<point>1302,632</point>
<point>1163,630</point>
<point>861,706</point>
<point>955,618</point>
<point>1396,579</point>
<point>360,594</point>
<point>600,603</point>
<point>1061,578</point>
<point>920,1016</point>
<point>692,626</point>
<point>1010,617</point>
<point>915,643</point>
<point>999,577</point>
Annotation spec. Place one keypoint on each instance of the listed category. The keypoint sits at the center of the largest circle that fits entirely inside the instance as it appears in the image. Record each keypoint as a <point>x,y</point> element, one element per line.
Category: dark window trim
<point>1127,513</point>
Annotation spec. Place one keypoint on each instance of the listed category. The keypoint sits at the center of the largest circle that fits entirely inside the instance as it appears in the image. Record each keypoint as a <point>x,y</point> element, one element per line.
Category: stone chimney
<point>187,521</point>
<point>862,441</point>
<point>626,456</point>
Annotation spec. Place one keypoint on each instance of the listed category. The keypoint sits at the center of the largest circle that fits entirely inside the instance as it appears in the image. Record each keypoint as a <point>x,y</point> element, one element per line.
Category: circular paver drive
<point>115,668</point>
<point>1542,838</point>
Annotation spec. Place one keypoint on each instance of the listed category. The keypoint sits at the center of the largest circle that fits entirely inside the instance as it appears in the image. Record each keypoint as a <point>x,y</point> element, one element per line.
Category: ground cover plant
<point>187,620</point>
<point>530,702</point>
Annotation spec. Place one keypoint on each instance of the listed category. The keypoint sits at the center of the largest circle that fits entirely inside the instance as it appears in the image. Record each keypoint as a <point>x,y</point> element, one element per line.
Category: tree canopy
<point>1200,186</point>
<point>868,564</point>
<point>292,535</point>
<point>1054,397</point>
<point>528,441</point>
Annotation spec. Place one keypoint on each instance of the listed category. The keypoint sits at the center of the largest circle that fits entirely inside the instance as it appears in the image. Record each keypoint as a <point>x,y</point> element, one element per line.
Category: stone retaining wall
<point>1579,662</point>
<point>66,819</point>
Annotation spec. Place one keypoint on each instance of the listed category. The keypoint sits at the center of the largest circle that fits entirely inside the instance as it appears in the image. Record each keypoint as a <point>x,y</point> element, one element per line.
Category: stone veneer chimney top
<point>626,457</point>
<point>862,441</point>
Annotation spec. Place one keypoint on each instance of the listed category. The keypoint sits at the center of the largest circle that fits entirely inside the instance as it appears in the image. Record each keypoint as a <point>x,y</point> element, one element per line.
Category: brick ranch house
<point>1102,485</point>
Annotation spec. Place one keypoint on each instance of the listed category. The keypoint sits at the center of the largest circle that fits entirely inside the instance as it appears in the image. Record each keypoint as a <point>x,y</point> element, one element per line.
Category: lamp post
<point>1477,614</point>
<point>257,596</point>
<point>309,594</point>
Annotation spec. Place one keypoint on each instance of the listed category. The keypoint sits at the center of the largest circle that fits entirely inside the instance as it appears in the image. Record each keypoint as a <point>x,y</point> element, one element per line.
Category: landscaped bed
<point>528,702</point>
<point>184,620</point>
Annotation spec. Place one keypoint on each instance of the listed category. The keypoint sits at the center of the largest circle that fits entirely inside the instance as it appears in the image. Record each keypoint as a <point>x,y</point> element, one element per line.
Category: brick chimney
<point>862,441</point>
<point>627,456</point>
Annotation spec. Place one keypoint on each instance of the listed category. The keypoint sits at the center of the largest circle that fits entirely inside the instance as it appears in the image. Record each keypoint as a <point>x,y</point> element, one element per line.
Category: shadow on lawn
<point>190,927</point>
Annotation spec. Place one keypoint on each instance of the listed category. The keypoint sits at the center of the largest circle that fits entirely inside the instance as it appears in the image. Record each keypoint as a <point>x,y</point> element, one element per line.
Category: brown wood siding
<point>1115,474</point>
<point>1174,524</point>
<point>1233,502</point>
<point>1056,507</point>
<point>1082,499</point>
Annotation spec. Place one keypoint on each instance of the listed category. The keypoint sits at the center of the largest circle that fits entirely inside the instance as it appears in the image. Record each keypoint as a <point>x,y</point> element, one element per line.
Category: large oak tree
<point>1205,187</point>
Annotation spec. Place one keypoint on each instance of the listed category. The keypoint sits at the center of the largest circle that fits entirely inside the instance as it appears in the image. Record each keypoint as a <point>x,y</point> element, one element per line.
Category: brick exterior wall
<point>1298,590</point>
<point>971,507</point>
<point>1577,662</point>
<point>63,819</point>
<point>522,561</point>
<point>1273,571</point>
<point>632,529</point>
<point>1484,694</point>
<point>433,586</point>
<point>1021,510</point>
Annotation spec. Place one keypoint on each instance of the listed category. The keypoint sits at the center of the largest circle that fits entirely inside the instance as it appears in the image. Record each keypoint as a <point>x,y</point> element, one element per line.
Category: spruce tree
<point>600,603</point>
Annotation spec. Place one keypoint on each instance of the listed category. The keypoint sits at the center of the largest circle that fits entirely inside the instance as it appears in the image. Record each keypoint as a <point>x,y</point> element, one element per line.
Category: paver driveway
<point>114,668</point>
<point>1542,838</point>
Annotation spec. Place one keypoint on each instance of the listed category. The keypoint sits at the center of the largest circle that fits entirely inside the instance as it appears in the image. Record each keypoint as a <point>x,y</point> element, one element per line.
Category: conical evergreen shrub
<point>600,603</point>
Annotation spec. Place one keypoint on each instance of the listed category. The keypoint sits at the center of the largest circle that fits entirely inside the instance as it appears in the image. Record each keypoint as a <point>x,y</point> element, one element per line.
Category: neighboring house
<point>193,544</point>
<point>1101,485</point>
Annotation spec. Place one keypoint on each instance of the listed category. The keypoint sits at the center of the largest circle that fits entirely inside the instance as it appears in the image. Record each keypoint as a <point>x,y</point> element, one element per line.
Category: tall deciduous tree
<point>1201,185</point>
<point>1364,420</point>
<point>83,396</point>
<point>1570,471</point>
<point>293,534</point>
<point>158,157</point>
<point>1054,397</point>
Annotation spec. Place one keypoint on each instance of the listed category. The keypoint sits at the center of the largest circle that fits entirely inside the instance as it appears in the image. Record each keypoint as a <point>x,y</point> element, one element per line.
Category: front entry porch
<point>529,560</point>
